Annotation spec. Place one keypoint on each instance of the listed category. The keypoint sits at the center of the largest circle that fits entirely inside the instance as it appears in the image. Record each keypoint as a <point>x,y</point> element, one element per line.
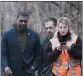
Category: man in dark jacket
<point>20,48</point>
<point>50,27</point>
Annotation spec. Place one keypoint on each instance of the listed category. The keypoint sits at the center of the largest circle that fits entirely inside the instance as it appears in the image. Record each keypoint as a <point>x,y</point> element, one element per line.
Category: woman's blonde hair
<point>67,22</point>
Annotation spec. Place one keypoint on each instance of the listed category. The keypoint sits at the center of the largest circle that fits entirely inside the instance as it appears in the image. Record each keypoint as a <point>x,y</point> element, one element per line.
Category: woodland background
<point>39,11</point>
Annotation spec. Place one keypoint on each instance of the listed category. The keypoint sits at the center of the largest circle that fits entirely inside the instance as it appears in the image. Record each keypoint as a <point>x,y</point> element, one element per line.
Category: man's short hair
<point>23,13</point>
<point>54,20</point>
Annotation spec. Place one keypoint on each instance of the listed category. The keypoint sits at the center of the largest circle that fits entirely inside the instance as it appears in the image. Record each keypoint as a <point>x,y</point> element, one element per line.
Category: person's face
<point>50,28</point>
<point>22,22</point>
<point>63,29</point>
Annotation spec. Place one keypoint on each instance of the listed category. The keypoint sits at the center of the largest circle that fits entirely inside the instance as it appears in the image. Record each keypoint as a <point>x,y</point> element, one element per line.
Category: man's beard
<point>50,35</point>
<point>22,28</point>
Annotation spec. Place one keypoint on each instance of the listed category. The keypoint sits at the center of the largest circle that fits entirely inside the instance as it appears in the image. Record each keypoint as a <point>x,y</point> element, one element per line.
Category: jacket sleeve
<point>76,49</point>
<point>38,53</point>
<point>4,54</point>
<point>51,55</point>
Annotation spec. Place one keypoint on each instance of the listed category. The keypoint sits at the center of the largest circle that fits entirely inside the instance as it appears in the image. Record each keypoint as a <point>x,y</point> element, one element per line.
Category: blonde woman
<point>65,50</point>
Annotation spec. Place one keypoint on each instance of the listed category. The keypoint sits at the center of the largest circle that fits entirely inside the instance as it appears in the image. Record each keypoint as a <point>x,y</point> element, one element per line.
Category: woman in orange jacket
<point>64,50</point>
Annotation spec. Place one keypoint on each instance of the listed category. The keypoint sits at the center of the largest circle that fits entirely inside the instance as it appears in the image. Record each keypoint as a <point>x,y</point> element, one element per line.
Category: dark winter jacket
<point>75,51</point>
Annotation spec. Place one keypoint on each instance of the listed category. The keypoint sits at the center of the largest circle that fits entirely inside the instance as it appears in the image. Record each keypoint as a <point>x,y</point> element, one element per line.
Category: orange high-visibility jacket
<point>65,65</point>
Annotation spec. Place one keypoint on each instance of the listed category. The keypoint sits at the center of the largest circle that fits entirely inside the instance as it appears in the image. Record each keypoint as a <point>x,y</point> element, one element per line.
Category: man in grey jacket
<point>50,27</point>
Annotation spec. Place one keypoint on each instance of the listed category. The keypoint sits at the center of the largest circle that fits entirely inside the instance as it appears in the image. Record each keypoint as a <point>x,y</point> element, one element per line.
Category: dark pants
<point>28,74</point>
<point>25,72</point>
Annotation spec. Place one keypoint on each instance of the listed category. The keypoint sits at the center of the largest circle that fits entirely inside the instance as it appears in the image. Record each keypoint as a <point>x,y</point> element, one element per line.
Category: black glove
<point>57,51</point>
<point>69,49</point>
